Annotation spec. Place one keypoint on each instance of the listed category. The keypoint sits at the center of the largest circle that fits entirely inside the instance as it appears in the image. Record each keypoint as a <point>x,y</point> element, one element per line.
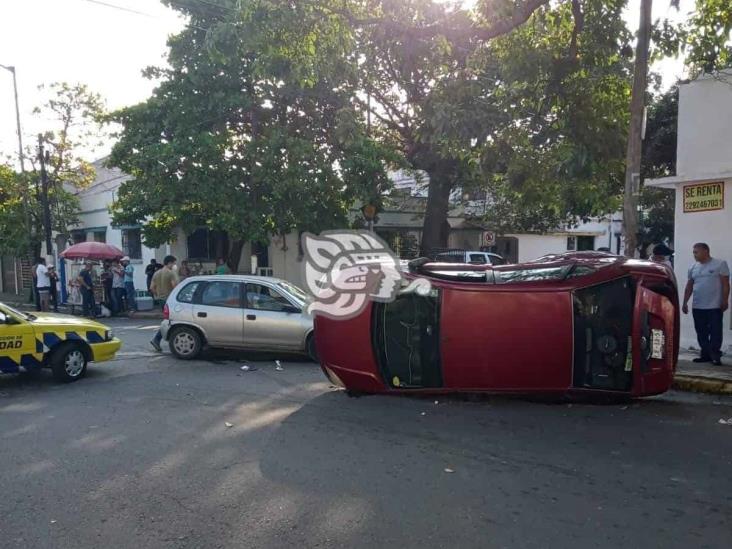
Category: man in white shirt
<point>709,284</point>
<point>43,283</point>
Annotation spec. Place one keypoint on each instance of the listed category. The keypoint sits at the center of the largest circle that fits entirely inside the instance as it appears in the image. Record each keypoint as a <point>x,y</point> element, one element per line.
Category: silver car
<point>237,312</point>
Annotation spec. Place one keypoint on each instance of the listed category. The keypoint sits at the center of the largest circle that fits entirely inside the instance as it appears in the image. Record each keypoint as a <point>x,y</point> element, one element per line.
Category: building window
<point>585,243</point>
<point>100,236</point>
<point>207,245</point>
<point>132,243</point>
<point>571,243</point>
<point>78,236</point>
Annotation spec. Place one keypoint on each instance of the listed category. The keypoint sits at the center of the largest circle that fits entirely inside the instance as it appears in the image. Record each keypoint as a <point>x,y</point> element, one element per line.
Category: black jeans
<point>708,326</point>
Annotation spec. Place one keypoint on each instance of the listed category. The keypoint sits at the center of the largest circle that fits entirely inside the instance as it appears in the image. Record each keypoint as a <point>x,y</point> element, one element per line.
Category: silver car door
<point>220,314</point>
<point>271,320</point>
<point>181,304</point>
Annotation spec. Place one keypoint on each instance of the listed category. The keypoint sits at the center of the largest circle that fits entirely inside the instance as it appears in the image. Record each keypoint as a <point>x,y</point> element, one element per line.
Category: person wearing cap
<point>129,284</point>
<point>662,254</point>
<point>86,283</point>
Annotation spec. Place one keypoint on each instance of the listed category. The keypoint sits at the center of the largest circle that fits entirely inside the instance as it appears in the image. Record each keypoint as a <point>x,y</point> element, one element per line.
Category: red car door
<point>506,340</point>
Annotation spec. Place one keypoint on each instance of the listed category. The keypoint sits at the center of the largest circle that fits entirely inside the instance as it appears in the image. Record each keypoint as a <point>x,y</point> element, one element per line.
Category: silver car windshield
<point>294,291</point>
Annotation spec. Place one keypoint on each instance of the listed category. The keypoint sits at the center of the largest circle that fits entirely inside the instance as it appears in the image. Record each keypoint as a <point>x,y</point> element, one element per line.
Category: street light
<point>17,116</point>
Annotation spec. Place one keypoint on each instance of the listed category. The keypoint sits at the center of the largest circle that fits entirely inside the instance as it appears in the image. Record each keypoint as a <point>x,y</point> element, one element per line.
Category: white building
<point>703,180</point>
<point>406,215</point>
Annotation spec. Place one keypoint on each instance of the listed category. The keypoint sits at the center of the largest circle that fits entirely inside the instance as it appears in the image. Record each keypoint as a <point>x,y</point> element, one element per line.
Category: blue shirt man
<point>709,285</point>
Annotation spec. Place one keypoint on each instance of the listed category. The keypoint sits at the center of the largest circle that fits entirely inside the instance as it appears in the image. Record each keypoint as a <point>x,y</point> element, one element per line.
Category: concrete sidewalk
<point>21,302</point>
<point>703,378</point>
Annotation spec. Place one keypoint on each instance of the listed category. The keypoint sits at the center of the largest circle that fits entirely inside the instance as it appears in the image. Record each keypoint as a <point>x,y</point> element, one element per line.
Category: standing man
<point>36,297</point>
<point>107,279</point>
<point>86,283</point>
<point>43,285</point>
<point>53,278</point>
<point>130,285</point>
<point>709,284</point>
<point>161,286</point>
<point>118,287</point>
<point>150,270</point>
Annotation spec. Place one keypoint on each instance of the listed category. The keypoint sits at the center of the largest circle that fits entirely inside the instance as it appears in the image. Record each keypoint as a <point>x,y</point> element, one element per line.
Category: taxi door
<point>18,346</point>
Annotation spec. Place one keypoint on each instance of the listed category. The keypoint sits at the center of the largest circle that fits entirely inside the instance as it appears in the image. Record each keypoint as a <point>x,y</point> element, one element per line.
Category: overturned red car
<point>570,323</point>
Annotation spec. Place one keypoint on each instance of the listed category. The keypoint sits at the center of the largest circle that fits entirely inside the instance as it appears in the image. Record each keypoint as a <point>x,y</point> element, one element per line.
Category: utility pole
<point>17,117</point>
<point>635,133</point>
<point>44,196</point>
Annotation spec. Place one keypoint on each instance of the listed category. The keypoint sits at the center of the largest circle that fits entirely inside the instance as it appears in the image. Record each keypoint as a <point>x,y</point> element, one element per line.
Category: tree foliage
<point>237,139</point>
<point>72,116</point>
<point>704,37</point>
<point>563,82</point>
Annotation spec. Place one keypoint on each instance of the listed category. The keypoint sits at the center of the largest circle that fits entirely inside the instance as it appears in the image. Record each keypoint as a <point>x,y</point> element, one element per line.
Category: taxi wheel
<point>68,362</point>
<point>311,349</point>
<point>185,343</point>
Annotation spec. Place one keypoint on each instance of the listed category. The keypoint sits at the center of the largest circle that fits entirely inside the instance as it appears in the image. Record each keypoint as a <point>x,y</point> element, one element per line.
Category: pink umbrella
<point>92,250</point>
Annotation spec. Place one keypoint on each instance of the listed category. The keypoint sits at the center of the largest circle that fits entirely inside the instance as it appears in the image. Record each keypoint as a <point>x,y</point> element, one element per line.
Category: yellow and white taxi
<point>65,344</point>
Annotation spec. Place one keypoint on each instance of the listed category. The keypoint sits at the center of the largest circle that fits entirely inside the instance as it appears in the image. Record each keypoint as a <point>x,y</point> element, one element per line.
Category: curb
<point>698,384</point>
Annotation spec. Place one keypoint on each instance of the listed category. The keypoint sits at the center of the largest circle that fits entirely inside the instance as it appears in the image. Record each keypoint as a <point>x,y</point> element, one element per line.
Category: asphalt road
<point>139,455</point>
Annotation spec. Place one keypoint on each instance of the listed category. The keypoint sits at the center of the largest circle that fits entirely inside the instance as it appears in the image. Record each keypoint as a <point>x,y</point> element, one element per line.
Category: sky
<point>107,48</point>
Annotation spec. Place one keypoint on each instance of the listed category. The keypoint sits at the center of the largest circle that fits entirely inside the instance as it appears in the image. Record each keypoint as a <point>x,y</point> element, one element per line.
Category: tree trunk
<point>635,133</point>
<point>235,255</point>
<point>434,234</point>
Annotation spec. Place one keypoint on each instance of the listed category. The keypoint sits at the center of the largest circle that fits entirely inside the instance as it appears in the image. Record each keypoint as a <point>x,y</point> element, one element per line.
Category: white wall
<point>531,246</point>
<point>705,128</point>
<point>714,228</point>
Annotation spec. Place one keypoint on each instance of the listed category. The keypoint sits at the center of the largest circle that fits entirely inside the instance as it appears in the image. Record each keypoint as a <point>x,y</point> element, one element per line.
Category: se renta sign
<point>704,197</point>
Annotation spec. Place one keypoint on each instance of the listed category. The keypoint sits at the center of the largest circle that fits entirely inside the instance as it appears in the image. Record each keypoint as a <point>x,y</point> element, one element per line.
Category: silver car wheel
<point>74,363</point>
<point>184,343</point>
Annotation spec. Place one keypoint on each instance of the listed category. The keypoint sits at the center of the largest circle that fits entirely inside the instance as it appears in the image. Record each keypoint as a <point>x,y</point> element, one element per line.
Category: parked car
<point>476,258</point>
<point>65,344</point>
<point>571,323</point>
<point>237,312</point>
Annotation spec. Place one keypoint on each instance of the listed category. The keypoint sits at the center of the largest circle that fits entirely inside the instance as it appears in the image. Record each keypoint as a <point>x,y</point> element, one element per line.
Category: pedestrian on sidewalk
<point>86,283</point>
<point>107,278</point>
<point>709,284</point>
<point>150,270</point>
<point>129,285</point>
<point>53,278</point>
<point>662,254</point>
<point>161,286</point>
<point>43,285</point>
<point>36,297</point>
<point>118,287</point>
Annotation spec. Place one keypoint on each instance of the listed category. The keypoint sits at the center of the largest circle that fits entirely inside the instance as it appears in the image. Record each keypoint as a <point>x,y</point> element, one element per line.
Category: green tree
<point>563,80</point>
<point>536,113</point>
<point>232,140</point>
<point>72,116</point>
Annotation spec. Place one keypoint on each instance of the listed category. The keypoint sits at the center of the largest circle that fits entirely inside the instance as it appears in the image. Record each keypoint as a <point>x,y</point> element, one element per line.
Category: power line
<point>121,8</point>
